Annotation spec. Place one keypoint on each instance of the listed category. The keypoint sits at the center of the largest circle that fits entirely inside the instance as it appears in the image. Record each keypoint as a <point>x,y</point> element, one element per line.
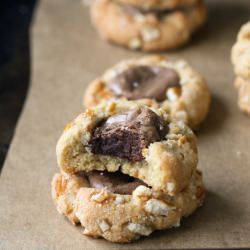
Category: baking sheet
<point>66,55</point>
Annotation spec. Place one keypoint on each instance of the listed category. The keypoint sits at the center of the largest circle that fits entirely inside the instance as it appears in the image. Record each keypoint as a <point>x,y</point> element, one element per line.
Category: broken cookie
<point>121,216</point>
<point>133,139</point>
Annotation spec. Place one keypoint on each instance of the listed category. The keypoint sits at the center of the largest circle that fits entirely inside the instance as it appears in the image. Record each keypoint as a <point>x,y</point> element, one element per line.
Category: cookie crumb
<point>182,116</point>
<point>87,232</point>
<point>150,33</point>
<point>177,224</point>
<point>111,106</point>
<point>135,43</point>
<point>104,226</point>
<point>139,229</point>
<point>170,187</point>
<point>100,197</point>
<point>119,200</point>
<point>78,214</point>
<point>139,18</point>
<point>157,207</point>
<point>142,191</point>
<point>173,94</point>
<point>110,74</point>
<point>181,64</point>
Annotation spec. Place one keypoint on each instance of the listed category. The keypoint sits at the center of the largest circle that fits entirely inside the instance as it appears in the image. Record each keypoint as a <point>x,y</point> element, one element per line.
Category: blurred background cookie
<point>241,62</point>
<point>152,26</point>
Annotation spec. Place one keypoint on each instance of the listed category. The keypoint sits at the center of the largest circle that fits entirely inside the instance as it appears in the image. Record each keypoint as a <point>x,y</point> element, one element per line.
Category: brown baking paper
<point>66,55</point>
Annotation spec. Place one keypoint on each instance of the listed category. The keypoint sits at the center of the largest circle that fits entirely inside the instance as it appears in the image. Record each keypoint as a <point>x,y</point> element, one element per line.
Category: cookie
<point>157,82</point>
<point>241,61</point>
<point>127,216</point>
<point>241,52</point>
<point>243,87</point>
<point>159,4</point>
<point>131,138</point>
<point>154,30</point>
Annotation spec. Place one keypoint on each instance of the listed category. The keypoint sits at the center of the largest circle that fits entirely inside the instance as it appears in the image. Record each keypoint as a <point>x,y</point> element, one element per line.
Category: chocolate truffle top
<point>144,82</point>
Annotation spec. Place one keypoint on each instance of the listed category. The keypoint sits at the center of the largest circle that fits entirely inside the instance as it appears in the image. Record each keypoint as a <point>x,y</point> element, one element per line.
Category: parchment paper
<point>66,55</point>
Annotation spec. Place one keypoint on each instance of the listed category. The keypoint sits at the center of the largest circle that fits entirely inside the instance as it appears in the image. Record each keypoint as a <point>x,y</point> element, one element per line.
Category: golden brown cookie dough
<point>241,62</point>
<point>151,31</point>
<point>160,152</point>
<point>185,97</point>
<point>64,191</point>
<point>123,218</point>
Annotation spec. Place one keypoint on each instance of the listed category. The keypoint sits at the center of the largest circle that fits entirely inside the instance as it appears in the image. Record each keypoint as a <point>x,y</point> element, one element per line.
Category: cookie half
<point>157,82</point>
<point>133,139</point>
<point>153,30</point>
<point>123,217</point>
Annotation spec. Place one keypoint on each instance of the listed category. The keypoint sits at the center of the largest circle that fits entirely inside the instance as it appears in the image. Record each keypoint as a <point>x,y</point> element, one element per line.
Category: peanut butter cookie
<point>150,29</point>
<point>110,206</point>
<point>157,82</point>
<point>134,139</point>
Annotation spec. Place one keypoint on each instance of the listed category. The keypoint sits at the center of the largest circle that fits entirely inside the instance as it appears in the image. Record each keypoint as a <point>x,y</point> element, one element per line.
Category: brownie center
<point>125,135</point>
<point>144,82</point>
<point>116,182</point>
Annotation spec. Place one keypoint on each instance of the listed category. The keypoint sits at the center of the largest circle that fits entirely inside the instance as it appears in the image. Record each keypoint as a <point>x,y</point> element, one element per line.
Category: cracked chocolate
<point>125,135</point>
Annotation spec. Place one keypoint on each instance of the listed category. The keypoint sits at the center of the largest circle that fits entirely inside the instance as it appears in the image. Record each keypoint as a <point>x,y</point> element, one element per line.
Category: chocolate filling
<point>144,82</point>
<point>116,182</point>
<point>125,135</point>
